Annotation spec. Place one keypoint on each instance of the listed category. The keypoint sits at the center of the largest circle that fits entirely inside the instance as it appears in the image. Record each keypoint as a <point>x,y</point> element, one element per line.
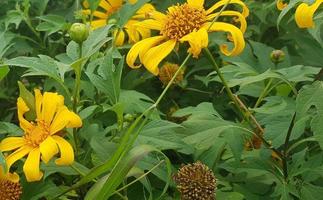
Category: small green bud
<point>277,56</point>
<point>112,21</point>
<point>129,117</point>
<point>79,32</point>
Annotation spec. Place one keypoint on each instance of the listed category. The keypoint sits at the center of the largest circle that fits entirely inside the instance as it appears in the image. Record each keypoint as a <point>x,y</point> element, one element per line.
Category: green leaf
<point>4,71</point>
<point>9,128</point>
<point>109,79</point>
<point>309,102</point>
<point>51,23</point>
<point>127,11</point>
<point>14,17</point>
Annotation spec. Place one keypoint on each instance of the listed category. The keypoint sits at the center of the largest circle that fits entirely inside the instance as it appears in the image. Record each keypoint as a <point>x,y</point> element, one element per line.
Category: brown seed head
<point>10,190</point>
<point>196,182</point>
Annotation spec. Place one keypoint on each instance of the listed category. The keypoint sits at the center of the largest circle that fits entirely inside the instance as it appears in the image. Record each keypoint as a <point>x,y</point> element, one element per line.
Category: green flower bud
<point>79,32</point>
<point>277,56</point>
<point>129,117</point>
<point>112,21</point>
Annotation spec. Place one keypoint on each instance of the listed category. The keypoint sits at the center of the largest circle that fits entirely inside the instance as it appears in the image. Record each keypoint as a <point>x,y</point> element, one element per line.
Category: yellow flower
<point>281,4</point>
<point>111,6</point>
<point>10,187</point>
<point>189,22</point>
<point>41,139</point>
<point>304,14</point>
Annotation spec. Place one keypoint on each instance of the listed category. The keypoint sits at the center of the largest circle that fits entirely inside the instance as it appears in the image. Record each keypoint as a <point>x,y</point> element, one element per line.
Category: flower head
<point>108,8</point>
<point>167,71</point>
<point>10,187</point>
<point>41,140</point>
<point>196,181</point>
<point>189,22</point>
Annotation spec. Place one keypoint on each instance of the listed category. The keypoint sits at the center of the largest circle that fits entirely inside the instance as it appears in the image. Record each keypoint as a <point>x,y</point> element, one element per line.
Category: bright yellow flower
<point>304,14</point>
<point>10,187</point>
<point>111,6</point>
<point>281,4</point>
<point>189,22</point>
<point>41,138</point>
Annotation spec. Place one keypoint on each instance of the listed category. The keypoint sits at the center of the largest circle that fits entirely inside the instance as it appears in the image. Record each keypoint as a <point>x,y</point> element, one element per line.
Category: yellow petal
<point>235,34</point>
<point>156,54</point>
<point>197,40</point>
<point>196,3</point>
<point>22,109</point>
<point>64,118</point>
<point>119,37</point>
<point>145,9</point>
<point>13,177</point>
<point>115,3</point>
<point>219,4</point>
<point>11,143</point>
<point>280,4</point>
<point>161,17</point>
<point>304,14</point>
<point>140,48</point>
<point>51,103</point>
<point>67,153</point>
<point>31,166</point>
<point>48,149</point>
<point>105,5</point>
<point>132,1</point>
<point>98,23</point>
<point>18,154</point>
<point>240,18</point>
<point>38,101</point>
<point>100,15</point>
<point>150,24</point>
<point>144,32</point>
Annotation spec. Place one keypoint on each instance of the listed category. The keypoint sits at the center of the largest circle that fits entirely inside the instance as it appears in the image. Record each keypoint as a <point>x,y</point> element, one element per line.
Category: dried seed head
<point>167,71</point>
<point>196,182</point>
<point>10,190</point>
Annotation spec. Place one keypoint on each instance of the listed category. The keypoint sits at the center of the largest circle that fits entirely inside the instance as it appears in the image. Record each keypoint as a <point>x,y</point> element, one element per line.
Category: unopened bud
<point>277,56</point>
<point>79,32</point>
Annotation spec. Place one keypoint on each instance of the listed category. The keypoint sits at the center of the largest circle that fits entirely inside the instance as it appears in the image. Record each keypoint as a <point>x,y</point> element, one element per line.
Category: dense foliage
<point>108,99</point>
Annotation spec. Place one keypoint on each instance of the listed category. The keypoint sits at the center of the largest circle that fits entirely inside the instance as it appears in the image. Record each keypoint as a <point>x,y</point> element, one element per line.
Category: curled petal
<point>140,48</point>
<point>235,34</point>
<point>245,10</point>
<point>238,18</point>
<point>22,109</point>
<point>197,40</point>
<point>31,166</point>
<point>65,118</point>
<point>156,54</point>
<point>48,149</point>
<point>150,24</point>
<point>67,153</point>
<point>38,101</point>
<point>119,37</point>
<point>304,14</point>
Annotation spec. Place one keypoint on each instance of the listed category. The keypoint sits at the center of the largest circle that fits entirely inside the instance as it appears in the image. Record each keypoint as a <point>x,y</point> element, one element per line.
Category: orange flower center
<point>38,134</point>
<point>182,20</point>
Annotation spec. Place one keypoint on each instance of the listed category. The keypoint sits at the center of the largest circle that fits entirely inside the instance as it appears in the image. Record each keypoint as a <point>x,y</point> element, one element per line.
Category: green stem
<point>76,96</point>
<point>172,80</point>
<point>247,115</point>
<point>224,82</point>
<point>264,93</point>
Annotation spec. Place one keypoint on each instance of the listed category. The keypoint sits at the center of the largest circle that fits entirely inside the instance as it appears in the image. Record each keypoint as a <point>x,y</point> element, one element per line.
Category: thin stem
<point>76,96</point>
<point>172,80</point>
<point>218,15</point>
<point>285,157</point>
<point>264,93</point>
<point>140,177</point>
<point>247,115</point>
